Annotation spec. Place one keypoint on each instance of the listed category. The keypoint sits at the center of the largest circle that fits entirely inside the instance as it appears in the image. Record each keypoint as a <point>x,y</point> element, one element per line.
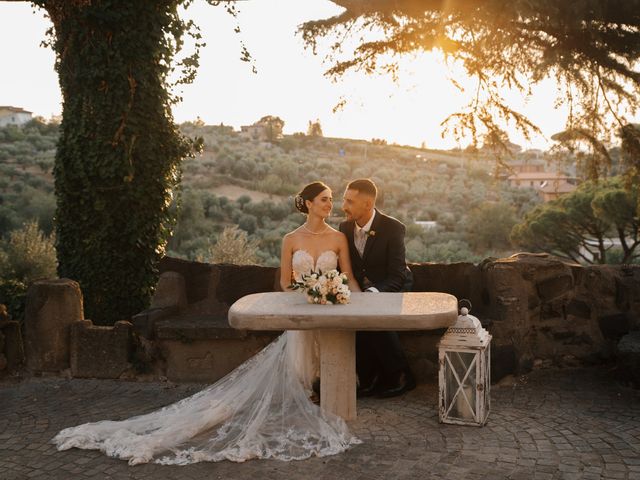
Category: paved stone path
<point>566,424</point>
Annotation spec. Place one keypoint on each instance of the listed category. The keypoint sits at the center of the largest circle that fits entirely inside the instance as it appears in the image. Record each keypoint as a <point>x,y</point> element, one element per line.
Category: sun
<point>407,110</point>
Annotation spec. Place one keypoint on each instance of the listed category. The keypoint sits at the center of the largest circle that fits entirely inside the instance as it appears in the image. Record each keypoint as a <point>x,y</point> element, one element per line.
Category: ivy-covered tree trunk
<point>119,153</point>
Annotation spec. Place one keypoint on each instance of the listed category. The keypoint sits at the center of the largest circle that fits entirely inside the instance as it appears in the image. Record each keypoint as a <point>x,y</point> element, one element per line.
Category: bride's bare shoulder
<point>293,234</point>
<point>337,238</point>
<point>336,233</point>
<point>293,239</point>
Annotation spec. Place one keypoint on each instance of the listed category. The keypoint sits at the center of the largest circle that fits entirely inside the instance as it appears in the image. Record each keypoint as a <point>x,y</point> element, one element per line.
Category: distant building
<point>426,224</point>
<point>13,116</point>
<point>257,131</point>
<point>267,129</point>
<point>592,254</point>
<point>548,184</point>
<point>527,166</point>
<point>551,191</point>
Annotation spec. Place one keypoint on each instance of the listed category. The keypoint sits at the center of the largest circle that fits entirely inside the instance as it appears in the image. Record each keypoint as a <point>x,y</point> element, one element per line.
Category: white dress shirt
<point>360,235</point>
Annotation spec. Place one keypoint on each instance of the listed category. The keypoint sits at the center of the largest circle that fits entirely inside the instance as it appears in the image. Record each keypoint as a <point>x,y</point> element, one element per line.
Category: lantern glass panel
<point>460,378</point>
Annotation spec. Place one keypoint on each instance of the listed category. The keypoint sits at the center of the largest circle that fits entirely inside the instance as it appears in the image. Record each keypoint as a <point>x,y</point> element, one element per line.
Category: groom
<point>376,247</point>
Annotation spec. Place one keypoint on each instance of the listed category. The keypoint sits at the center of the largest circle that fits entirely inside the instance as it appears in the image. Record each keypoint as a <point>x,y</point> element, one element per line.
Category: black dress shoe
<point>404,383</point>
<point>369,389</point>
<point>315,391</point>
<point>315,387</point>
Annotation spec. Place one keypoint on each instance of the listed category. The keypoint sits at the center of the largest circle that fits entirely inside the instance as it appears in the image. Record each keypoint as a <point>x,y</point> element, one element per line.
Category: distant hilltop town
<point>13,116</point>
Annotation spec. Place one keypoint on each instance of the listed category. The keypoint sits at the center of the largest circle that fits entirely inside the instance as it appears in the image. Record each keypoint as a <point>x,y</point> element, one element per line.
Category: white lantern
<point>464,379</point>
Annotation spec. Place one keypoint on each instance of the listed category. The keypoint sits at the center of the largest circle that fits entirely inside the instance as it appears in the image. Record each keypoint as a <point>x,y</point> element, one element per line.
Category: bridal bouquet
<point>329,287</point>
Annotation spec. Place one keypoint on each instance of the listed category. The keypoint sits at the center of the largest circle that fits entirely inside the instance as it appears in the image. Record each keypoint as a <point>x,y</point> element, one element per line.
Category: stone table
<point>336,325</point>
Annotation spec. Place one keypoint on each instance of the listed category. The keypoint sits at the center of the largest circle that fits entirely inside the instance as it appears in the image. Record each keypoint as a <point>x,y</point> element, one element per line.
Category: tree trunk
<point>119,151</point>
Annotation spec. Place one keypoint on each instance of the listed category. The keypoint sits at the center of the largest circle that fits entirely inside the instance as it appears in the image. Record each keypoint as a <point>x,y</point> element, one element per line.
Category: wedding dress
<point>259,410</point>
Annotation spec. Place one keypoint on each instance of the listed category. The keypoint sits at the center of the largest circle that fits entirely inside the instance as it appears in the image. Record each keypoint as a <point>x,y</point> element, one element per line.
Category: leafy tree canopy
<point>591,47</point>
<point>490,224</point>
<point>583,225</point>
<point>314,129</point>
<point>274,126</point>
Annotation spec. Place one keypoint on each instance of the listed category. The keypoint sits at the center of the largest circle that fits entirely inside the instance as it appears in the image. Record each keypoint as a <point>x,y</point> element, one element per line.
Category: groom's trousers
<point>379,354</point>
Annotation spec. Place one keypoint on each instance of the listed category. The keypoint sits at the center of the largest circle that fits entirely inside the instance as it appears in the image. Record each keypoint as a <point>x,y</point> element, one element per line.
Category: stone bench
<point>186,329</point>
<point>204,348</point>
<point>336,325</point>
<point>197,347</point>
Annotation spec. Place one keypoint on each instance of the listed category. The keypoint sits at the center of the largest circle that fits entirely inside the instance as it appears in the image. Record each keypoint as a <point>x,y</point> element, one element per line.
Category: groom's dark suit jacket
<point>383,263</point>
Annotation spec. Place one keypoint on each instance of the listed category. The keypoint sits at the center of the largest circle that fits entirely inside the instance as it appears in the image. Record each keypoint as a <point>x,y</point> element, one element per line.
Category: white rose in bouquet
<point>324,287</point>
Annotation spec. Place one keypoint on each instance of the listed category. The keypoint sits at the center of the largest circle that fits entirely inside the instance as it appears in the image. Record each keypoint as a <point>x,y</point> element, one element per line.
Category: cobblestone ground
<point>565,424</point>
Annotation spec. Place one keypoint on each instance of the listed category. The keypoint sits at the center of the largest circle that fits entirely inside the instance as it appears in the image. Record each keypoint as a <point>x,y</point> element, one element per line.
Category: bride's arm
<point>344,262</point>
<point>285,263</point>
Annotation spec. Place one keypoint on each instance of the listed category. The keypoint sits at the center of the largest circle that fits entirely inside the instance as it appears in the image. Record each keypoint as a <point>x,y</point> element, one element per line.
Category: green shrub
<point>13,294</point>
<point>232,246</point>
<point>27,255</point>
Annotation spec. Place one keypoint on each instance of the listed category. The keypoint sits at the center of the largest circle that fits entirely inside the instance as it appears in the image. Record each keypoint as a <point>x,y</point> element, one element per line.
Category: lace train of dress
<point>260,410</point>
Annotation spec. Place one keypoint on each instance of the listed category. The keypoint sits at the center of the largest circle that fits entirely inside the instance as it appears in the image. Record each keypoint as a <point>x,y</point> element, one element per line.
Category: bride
<point>262,408</point>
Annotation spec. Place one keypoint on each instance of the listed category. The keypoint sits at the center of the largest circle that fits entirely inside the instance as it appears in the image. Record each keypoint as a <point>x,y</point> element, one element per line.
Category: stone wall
<point>540,310</point>
<point>185,334</point>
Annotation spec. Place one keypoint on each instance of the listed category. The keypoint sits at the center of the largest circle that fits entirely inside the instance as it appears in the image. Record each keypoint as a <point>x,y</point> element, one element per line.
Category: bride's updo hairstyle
<point>309,192</point>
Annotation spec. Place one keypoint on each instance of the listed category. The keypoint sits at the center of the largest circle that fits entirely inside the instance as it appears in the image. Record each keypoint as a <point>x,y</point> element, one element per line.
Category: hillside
<point>474,213</point>
<point>26,182</point>
<point>238,181</point>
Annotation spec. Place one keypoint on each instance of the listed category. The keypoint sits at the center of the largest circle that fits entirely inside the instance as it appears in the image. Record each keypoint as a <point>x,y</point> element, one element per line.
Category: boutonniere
<point>371,233</point>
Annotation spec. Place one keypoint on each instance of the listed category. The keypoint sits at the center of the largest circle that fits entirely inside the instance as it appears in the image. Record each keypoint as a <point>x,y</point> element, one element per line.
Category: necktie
<point>360,241</point>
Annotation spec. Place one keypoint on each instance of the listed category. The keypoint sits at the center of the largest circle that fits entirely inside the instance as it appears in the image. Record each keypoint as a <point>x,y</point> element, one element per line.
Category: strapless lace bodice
<point>303,262</point>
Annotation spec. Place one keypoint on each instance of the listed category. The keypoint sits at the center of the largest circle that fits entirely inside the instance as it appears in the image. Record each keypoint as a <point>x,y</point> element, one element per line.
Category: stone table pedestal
<point>337,325</point>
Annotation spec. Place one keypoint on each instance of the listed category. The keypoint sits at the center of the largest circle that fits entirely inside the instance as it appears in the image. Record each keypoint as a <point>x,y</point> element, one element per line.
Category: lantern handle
<point>464,306</point>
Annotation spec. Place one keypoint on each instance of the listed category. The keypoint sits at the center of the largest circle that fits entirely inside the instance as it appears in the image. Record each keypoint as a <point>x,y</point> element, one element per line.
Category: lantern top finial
<point>467,331</point>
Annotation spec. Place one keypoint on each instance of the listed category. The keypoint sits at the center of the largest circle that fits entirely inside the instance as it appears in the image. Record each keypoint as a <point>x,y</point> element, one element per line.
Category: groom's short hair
<point>364,185</point>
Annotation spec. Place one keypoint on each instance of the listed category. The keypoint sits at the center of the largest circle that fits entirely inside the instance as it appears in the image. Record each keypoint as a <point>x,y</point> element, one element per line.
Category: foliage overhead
<point>584,224</point>
<point>591,47</point>
<point>630,137</point>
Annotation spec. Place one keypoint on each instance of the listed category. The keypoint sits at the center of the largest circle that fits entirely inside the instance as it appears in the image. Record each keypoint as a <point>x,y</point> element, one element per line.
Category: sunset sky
<point>289,82</point>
